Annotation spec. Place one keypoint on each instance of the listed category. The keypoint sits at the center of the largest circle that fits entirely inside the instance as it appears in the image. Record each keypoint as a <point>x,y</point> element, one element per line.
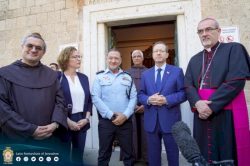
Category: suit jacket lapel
<point>166,74</point>
<point>151,77</point>
<point>82,81</point>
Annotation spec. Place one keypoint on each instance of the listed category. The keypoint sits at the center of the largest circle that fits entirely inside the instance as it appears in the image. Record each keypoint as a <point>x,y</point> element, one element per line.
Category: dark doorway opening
<point>142,36</point>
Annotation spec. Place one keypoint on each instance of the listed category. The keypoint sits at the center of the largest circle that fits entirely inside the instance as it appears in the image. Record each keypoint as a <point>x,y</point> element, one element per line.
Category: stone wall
<point>91,2</point>
<point>231,13</point>
<point>58,21</point>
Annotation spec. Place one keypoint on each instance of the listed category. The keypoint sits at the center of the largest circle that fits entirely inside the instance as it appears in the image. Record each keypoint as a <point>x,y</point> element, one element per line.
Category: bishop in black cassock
<point>223,69</point>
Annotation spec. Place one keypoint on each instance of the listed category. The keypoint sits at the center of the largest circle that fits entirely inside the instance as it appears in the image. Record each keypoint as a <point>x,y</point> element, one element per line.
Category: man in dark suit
<point>161,99</point>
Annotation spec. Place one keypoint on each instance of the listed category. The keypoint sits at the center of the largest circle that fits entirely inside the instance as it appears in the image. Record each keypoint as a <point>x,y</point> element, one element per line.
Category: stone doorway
<point>99,18</point>
<point>142,36</point>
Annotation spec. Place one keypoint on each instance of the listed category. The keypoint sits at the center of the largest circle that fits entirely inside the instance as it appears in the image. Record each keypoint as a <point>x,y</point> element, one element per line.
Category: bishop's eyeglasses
<point>207,30</point>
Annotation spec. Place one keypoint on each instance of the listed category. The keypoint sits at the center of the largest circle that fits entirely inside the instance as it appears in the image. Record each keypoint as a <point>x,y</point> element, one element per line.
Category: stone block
<point>48,28</point>
<point>41,2</point>
<point>15,4</point>
<point>48,7</point>
<point>26,11</point>
<point>2,45</point>
<point>14,13</point>
<point>51,36</point>
<point>31,20</point>
<point>35,9</point>
<point>10,23</point>
<point>2,15</point>
<point>73,23</point>
<point>2,33</point>
<point>10,44</point>
<point>41,19</point>
<point>36,28</point>
<point>60,5</point>
<point>54,17</point>
<point>69,4</point>
<point>30,3</point>
<point>2,25</point>
<point>21,22</point>
<point>60,27</point>
<point>68,14</point>
<point>64,37</point>
<point>3,5</point>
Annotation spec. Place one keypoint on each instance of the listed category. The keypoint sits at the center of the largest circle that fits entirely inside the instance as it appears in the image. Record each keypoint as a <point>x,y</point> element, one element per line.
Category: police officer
<point>114,96</point>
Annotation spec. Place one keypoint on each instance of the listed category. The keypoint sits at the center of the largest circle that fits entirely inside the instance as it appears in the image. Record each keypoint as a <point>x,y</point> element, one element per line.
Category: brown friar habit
<point>139,135</point>
<point>30,96</point>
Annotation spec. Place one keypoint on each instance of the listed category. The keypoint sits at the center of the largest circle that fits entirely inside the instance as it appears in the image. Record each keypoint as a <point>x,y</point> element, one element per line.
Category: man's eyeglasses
<point>137,56</point>
<point>76,57</point>
<point>31,46</point>
<point>207,30</point>
<point>160,51</point>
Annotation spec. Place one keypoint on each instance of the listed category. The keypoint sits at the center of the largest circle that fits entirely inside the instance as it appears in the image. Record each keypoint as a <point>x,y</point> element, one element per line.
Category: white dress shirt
<point>77,94</point>
<point>162,70</point>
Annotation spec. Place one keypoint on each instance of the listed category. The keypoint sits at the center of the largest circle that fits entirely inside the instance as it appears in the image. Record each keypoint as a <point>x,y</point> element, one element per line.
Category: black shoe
<point>200,162</point>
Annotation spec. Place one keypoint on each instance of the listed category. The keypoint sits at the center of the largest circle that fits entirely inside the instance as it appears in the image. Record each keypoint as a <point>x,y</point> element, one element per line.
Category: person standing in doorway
<point>139,135</point>
<point>161,93</point>
<point>54,66</point>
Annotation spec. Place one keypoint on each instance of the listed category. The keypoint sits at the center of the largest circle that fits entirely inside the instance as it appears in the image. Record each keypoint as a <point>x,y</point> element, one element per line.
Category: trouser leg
<point>171,149</point>
<point>106,137</point>
<point>124,135</point>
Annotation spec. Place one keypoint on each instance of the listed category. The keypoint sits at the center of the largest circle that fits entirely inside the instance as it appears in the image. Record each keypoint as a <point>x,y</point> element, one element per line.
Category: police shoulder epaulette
<point>100,72</point>
<point>127,73</point>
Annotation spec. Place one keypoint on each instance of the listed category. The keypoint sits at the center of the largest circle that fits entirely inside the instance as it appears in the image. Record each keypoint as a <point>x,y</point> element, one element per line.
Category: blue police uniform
<point>114,93</point>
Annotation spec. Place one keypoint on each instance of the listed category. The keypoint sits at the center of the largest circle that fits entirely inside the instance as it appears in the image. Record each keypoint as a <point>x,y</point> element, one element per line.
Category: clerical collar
<point>213,48</point>
<point>204,71</point>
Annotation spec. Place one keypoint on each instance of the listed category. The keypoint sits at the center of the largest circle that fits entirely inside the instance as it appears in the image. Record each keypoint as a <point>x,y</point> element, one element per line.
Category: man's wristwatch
<point>87,119</point>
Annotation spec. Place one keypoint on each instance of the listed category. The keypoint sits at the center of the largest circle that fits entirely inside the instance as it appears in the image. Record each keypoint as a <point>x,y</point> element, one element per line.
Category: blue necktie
<point>158,80</point>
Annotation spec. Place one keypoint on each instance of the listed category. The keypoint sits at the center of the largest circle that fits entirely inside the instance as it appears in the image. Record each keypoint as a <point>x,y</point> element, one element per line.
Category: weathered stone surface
<point>230,13</point>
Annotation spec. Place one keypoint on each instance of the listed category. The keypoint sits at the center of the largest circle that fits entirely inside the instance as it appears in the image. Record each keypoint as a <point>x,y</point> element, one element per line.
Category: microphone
<point>187,144</point>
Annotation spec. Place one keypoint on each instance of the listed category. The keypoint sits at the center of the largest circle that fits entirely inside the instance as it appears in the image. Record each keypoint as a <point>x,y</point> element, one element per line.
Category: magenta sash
<point>241,124</point>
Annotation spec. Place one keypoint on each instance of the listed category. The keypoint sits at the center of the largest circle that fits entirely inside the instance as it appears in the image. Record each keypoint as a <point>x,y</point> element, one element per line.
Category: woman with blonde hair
<point>76,92</point>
